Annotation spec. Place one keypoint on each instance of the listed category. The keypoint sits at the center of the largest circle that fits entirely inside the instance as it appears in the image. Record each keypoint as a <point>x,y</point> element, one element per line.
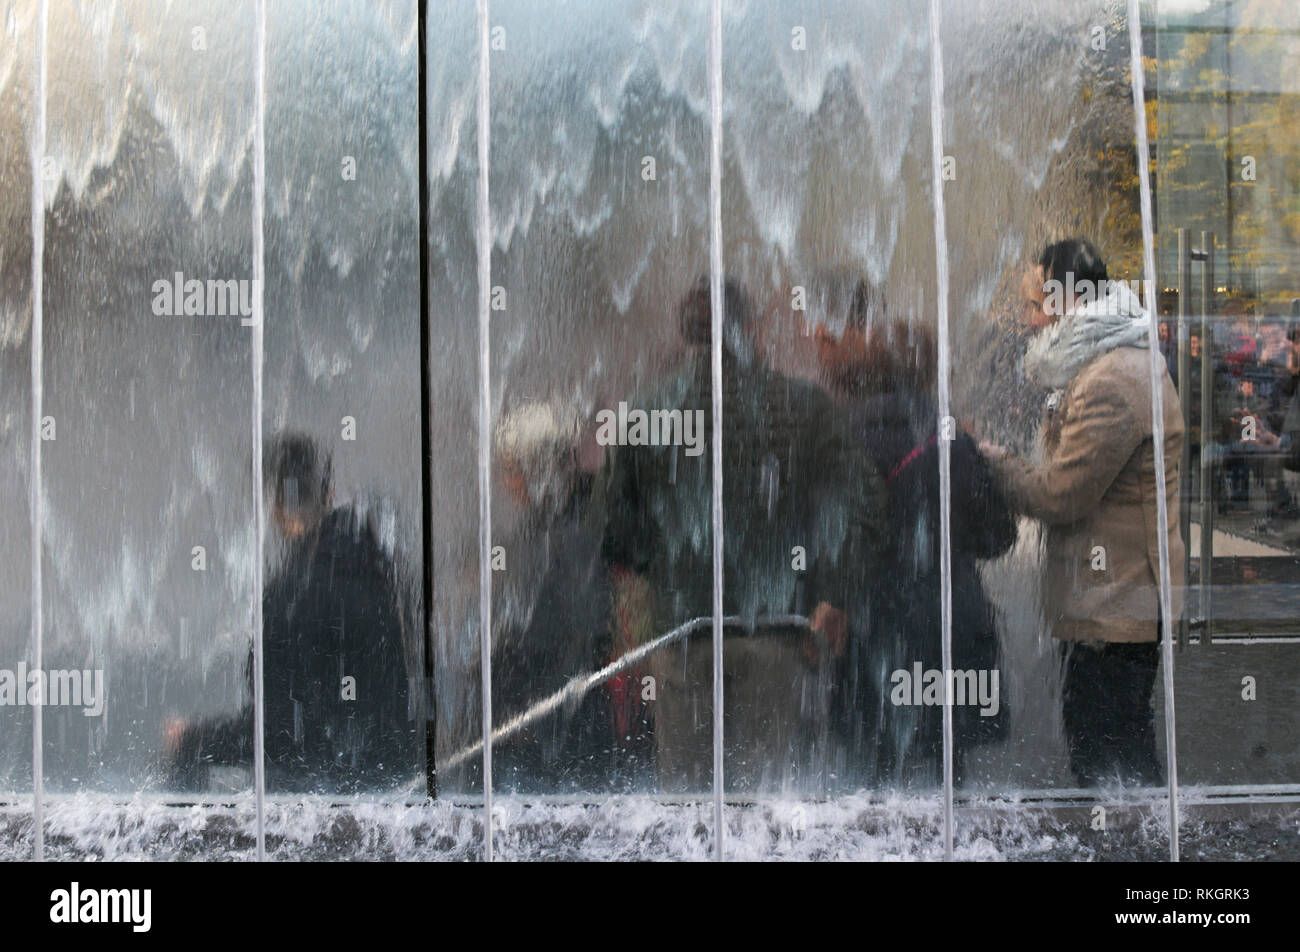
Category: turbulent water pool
<point>636,828</point>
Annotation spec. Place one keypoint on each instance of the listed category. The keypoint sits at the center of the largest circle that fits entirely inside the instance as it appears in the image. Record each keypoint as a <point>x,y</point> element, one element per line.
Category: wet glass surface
<point>148,546</point>
<point>147,498</point>
<point>345,682</point>
<point>452,89</point>
<point>599,183</point>
<point>1043,153</point>
<point>601,408</point>
<point>16,119</point>
<point>829,228</point>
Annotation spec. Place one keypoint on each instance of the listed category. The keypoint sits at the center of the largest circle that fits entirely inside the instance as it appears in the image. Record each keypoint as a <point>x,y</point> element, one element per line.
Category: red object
<point>917,452</point>
<point>625,702</point>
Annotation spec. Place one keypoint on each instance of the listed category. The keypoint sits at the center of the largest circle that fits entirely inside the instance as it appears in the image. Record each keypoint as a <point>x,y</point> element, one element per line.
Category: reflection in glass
<point>1229,259</point>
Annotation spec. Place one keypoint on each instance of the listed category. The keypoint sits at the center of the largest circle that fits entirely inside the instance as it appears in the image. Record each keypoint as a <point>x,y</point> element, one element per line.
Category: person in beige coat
<point>1095,493</point>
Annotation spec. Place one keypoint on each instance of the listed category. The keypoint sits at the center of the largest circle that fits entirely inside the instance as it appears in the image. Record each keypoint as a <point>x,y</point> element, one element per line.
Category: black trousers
<point>1109,722</point>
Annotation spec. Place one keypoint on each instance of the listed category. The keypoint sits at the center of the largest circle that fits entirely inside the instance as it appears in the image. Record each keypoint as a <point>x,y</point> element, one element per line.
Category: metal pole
<point>1207,406</point>
<point>1185,398</point>
<point>1157,372</point>
<point>578,686</point>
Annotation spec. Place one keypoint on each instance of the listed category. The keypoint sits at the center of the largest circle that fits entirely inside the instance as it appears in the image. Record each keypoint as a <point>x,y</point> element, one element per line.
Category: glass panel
<point>17,21</point>
<point>146,479</point>
<point>1041,135</point>
<point>452,90</point>
<point>829,229</point>
<point>342,613</point>
<point>1228,162</point>
<point>599,202</point>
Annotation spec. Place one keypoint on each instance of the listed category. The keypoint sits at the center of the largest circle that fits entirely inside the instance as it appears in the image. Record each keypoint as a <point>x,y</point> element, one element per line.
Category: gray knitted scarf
<point>1059,352</point>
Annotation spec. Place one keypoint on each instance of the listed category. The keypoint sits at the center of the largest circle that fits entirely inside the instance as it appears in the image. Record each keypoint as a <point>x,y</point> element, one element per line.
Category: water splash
<point>853,828</point>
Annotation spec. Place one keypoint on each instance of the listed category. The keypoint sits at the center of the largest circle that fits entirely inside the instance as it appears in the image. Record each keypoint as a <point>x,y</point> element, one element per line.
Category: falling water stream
<point>1157,410</point>
<point>945,447</point>
<point>258,345</point>
<point>483,235</point>
<point>34,486</point>
<point>716,274</point>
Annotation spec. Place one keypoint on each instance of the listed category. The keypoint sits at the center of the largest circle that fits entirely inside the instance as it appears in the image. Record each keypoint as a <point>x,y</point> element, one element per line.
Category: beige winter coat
<point>1096,494</point>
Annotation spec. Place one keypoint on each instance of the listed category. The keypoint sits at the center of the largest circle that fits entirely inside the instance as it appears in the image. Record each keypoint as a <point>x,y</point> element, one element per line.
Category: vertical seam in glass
<point>945,455</point>
<point>428,710</point>
<point>259,513</point>
<point>716,304</point>
<point>37,397</point>
<point>1157,410</point>
<point>484,241</point>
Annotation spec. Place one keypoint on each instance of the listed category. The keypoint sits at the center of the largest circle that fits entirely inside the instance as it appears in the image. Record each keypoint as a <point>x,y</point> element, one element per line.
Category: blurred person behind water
<point>1259,429</point>
<point>336,689</point>
<point>548,472</point>
<point>802,504</point>
<point>883,373</point>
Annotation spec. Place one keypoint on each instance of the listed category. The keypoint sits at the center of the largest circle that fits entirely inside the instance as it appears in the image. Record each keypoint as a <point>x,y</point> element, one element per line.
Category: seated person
<point>337,716</point>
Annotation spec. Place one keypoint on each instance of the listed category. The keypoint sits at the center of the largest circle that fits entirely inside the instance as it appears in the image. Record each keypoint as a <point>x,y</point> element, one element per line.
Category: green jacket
<point>804,506</point>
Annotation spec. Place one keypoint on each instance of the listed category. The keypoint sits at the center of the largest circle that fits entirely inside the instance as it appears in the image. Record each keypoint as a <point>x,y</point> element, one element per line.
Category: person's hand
<point>990,450</point>
<point>828,626</point>
<point>173,731</point>
<point>1239,416</point>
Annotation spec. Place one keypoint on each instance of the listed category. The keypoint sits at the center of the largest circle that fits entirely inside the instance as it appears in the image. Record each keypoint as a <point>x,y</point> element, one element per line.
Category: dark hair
<point>696,312</point>
<point>297,472</point>
<point>902,355</point>
<point>1077,256</point>
<point>865,297</point>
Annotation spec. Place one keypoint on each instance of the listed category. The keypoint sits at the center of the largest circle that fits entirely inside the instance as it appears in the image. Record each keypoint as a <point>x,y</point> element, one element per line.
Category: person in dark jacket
<point>802,503</point>
<point>884,374</point>
<point>336,691</point>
